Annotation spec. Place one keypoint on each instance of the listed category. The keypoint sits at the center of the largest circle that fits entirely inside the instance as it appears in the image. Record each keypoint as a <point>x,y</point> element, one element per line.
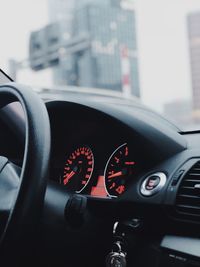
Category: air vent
<point>188,197</point>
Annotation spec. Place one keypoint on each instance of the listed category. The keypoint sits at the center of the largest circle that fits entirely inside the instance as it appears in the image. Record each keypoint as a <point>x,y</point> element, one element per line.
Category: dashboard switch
<point>153,184</point>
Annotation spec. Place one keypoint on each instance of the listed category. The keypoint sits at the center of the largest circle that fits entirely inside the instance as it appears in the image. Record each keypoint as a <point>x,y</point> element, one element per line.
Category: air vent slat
<point>192,180</point>
<point>187,187</point>
<point>196,169</point>
<point>188,197</point>
<point>189,215</point>
<point>188,207</point>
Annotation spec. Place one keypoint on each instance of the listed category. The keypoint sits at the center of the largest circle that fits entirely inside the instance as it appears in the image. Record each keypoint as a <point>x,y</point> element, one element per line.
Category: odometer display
<point>119,168</point>
<point>78,169</point>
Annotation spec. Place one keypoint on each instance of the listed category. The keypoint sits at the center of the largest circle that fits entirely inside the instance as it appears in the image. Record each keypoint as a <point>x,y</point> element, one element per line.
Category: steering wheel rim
<point>29,197</point>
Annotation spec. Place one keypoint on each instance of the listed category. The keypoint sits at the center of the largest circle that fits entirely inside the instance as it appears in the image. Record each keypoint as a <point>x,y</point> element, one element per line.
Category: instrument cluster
<point>81,175</point>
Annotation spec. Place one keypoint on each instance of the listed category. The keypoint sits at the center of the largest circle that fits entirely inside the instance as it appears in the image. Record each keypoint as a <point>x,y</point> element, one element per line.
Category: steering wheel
<point>21,195</point>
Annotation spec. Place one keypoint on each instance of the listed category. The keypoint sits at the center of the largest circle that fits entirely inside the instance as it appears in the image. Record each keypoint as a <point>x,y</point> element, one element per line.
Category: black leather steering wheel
<point>21,196</point>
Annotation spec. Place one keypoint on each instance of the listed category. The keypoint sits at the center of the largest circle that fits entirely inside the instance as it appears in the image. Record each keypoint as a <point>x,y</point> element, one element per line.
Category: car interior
<point>86,184</point>
<point>100,133</point>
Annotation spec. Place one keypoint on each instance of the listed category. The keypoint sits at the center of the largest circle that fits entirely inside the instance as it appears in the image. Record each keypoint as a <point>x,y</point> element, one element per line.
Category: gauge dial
<point>78,169</point>
<point>118,170</point>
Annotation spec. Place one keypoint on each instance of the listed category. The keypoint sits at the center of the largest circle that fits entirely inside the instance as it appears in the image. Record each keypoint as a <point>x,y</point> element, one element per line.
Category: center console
<point>151,250</point>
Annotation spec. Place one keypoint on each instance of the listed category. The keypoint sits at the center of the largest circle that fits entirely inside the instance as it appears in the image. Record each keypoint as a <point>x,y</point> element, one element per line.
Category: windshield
<point>136,49</point>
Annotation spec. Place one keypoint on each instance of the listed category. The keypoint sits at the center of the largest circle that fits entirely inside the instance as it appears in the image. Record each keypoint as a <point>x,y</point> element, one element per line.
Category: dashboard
<point>98,155</point>
<point>91,155</point>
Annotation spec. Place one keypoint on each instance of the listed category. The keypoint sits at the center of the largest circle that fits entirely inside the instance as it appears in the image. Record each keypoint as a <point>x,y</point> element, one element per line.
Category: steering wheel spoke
<point>9,183</point>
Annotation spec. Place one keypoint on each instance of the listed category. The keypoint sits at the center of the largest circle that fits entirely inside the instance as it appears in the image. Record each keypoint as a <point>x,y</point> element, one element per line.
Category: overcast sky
<point>162,42</point>
<point>17,19</point>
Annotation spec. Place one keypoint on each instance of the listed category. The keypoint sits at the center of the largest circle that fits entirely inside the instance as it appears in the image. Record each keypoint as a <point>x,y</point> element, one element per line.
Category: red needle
<point>68,177</point>
<point>115,174</point>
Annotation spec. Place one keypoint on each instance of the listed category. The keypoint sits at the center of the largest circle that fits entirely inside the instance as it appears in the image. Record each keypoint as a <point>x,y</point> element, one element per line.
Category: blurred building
<point>179,112</point>
<point>60,10</point>
<point>93,44</point>
<point>194,44</point>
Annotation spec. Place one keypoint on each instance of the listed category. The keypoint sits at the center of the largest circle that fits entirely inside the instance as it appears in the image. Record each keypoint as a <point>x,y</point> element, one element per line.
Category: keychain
<point>116,258</point>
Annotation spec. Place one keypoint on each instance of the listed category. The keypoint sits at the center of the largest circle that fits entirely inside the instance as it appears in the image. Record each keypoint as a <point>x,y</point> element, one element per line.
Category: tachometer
<point>118,170</point>
<point>78,169</point>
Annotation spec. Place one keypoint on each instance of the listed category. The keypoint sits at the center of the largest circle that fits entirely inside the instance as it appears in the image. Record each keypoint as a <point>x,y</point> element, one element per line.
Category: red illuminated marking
<point>117,160</point>
<point>120,189</point>
<point>80,161</point>
<point>126,151</point>
<point>89,157</point>
<point>69,161</point>
<point>115,175</point>
<point>84,182</point>
<point>90,163</point>
<point>87,176</point>
<point>129,163</point>
<point>112,186</point>
<point>77,152</point>
<point>99,189</point>
<point>89,169</point>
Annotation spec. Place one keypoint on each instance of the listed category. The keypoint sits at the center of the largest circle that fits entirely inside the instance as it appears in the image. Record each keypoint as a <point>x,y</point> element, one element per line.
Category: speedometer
<point>119,168</point>
<point>78,169</point>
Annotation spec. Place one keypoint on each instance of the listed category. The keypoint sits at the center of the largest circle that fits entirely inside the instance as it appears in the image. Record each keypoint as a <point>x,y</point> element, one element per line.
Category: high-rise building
<point>111,61</point>
<point>60,10</point>
<point>98,44</point>
<point>194,44</point>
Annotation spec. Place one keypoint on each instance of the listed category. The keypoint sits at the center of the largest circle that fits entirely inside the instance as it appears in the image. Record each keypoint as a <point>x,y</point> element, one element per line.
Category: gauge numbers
<point>118,170</point>
<point>78,169</point>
